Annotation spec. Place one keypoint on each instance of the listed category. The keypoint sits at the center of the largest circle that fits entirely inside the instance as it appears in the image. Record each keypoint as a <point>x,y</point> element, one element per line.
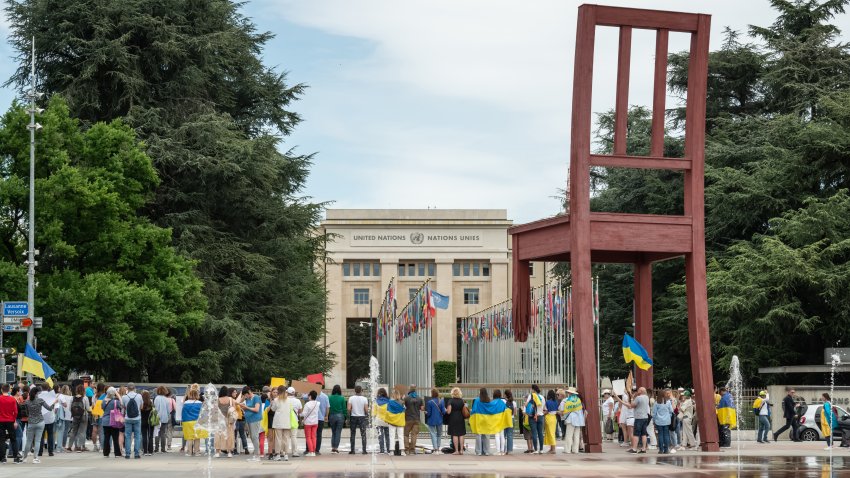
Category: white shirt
<point>358,404</point>
<point>310,413</point>
<point>765,409</point>
<point>607,407</point>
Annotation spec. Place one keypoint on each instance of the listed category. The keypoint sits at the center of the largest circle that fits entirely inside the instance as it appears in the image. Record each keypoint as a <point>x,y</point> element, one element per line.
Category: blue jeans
<point>509,440</point>
<point>482,444</point>
<point>384,439</point>
<point>764,428</point>
<point>536,427</point>
<point>435,431</point>
<point>132,434</point>
<point>663,438</point>
<point>337,420</point>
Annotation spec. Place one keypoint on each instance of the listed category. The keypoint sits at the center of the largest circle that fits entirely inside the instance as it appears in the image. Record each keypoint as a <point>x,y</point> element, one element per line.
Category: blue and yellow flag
<point>389,411</point>
<point>34,364</point>
<point>634,352</point>
<point>490,418</point>
<point>571,404</point>
<point>726,413</point>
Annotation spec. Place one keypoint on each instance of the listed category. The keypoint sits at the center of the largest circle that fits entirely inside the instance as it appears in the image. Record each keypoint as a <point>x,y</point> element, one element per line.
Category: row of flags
<point>492,324</point>
<point>415,316</point>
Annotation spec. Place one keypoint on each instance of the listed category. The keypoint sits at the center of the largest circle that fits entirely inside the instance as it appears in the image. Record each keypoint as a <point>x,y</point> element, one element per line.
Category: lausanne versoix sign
<point>16,309</point>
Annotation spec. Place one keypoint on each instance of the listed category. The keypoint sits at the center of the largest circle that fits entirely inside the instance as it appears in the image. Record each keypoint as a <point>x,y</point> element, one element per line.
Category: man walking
<point>132,402</point>
<point>413,404</point>
<point>788,412</point>
<point>357,407</point>
<point>8,423</point>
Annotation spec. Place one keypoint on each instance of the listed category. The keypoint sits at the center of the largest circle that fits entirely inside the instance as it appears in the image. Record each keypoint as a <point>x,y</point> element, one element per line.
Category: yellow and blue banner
<point>726,413</point>
<point>490,418</point>
<point>571,404</point>
<point>633,351</point>
<point>390,411</point>
<point>34,364</point>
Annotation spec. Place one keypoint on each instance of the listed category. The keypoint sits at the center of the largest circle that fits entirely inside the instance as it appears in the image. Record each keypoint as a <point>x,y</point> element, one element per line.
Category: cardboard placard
<point>277,381</point>
<point>48,397</point>
<point>619,387</point>
<point>401,389</point>
<point>629,383</point>
<point>305,387</point>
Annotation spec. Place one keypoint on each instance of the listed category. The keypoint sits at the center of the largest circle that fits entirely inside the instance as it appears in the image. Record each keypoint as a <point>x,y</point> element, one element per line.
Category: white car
<point>809,429</point>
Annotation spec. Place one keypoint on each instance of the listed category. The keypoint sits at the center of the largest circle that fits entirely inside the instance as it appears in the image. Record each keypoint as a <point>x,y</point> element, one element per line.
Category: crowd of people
<point>125,422</point>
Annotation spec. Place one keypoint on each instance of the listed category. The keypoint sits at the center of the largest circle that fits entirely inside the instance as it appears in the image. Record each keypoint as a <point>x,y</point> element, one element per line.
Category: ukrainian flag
<point>490,418</point>
<point>726,413</point>
<point>634,351</point>
<point>34,364</point>
<point>390,411</point>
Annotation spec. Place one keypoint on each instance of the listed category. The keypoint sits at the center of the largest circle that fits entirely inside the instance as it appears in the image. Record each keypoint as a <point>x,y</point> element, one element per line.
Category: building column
<point>643,318</point>
<point>444,327</point>
<point>335,326</point>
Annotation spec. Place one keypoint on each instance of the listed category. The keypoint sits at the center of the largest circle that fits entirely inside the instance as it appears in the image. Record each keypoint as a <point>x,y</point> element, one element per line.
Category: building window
<point>469,268</point>
<point>476,269</point>
<point>432,269</point>
<point>531,268</point>
<point>401,270</point>
<point>466,269</point>
<point>361,268</point>
<point>411,270</point>
<point>417,269</point>
<point>361,296</point>
<point>470,296</point>
<point>485,270</point>
<point>412,292</point>
<point>421,267</point>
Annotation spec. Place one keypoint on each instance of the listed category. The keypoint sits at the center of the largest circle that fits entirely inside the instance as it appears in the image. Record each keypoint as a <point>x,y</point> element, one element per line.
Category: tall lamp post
<point>31,252</point>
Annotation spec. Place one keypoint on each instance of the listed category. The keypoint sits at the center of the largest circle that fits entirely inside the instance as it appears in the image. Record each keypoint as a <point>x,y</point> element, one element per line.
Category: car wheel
<point>809,435</point>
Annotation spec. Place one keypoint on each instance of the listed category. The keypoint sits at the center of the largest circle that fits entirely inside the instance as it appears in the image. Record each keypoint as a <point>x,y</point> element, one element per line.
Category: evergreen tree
<point>188,77</point>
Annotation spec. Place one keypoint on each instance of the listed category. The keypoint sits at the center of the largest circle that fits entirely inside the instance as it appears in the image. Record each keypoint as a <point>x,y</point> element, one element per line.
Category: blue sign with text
<point>16,309</point>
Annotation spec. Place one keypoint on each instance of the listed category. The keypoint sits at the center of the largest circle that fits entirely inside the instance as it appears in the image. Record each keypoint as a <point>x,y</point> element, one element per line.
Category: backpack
<point>78,409</point>
<point>132,408</point>
<point>154,418</point>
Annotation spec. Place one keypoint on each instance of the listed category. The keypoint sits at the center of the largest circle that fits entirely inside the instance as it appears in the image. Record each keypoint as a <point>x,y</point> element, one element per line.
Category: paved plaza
<point>777,459</point>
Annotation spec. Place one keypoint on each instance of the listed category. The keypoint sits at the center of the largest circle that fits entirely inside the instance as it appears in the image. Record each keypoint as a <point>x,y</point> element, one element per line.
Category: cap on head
<point>686,393</point>
<point>572,391</point>
<point>290,391</point>
<point>606,392</point>
<point>762,394</point>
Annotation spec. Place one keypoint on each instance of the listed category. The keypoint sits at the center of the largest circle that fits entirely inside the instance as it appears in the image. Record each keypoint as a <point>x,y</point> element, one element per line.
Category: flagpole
<point>598,321</point>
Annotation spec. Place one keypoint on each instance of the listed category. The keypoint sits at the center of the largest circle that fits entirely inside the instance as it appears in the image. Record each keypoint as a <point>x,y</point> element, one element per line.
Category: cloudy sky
<point>447,103</point>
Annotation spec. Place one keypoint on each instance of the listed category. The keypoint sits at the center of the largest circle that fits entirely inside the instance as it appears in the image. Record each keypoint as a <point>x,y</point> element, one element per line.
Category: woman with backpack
<point>111,423</point>
<point>535,410</point>
<point>79,411</point>
<point>147,410</point>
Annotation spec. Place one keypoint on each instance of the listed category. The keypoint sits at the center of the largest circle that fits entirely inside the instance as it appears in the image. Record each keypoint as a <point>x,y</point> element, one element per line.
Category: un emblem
<point>417,238</point>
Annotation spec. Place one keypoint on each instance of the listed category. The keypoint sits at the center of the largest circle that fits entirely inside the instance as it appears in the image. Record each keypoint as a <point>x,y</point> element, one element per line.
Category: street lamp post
<point>33,126</point>
<point>369,324</point>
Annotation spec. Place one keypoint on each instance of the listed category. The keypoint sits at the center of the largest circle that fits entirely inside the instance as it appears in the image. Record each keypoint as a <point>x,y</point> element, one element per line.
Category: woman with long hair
<point>224,438</point>
<point>482,441</point>
<point>382,427</point>
<point>164,408</point>
<point>828,420</point>
<point>310,415</point>
<point>147,430</point>
<point>35,426</point>
<point>509,432</point>
<point>337,411</point>
<point>551,421</point>
<point>191,435</point>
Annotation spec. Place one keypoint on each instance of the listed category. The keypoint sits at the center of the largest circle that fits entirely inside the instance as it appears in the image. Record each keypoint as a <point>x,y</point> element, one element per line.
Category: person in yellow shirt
<point>761,408</point>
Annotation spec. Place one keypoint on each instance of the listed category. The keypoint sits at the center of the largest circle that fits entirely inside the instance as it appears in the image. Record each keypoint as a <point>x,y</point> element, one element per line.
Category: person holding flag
<point>573,412</point>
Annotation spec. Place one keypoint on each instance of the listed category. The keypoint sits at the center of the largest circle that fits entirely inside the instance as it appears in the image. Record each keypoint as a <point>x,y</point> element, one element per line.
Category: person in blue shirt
<point>251,407</point>
<point>662,417</point>
<point>435,410</point>
<point>324,407</point>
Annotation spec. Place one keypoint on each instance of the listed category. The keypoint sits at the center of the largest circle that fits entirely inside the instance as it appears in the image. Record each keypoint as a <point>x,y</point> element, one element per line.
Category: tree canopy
<point>189,79</point>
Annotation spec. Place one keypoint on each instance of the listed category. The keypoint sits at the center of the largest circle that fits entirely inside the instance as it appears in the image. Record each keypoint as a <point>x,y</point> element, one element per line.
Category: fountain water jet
<point>211,420</point>
<point>735,386</point>
<point>374,375</point>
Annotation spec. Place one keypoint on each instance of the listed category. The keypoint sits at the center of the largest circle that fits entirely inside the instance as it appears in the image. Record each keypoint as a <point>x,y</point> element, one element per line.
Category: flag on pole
<point>439,301</point>
<point>634,352</point>
<point>596,301</point>
<point>34,364</point>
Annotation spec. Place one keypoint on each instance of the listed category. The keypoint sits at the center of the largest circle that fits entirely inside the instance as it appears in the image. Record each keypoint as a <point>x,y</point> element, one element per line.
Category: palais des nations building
<point>465,252</point>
